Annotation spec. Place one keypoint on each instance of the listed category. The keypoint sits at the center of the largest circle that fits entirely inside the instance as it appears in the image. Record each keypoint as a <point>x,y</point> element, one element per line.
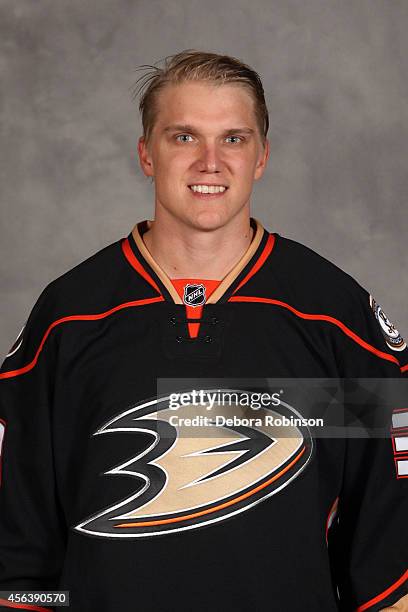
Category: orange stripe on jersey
<point>91,317</point>
<point>319,317</point>
<point>331,515</point>
<point>404,368</point>
<point>384,594</point>
<point>260,261</point>
<point>127,250</point>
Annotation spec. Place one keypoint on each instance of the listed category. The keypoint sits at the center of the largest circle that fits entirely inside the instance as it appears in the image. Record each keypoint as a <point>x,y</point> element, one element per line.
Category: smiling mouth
<point>208,190</point>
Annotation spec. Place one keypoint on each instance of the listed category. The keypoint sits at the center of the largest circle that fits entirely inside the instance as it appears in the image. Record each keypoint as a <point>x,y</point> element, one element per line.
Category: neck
<point>185,252</point>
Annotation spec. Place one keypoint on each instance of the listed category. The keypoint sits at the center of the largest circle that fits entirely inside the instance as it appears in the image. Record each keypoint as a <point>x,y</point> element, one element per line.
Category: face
<point>204,134</point>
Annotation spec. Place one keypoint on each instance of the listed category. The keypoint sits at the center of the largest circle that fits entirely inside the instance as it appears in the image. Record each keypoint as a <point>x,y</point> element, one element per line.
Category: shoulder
<point>103,280</point>
<point>310,281</point>
<point>95,285</point>
<point>88,283</point>
<point>300,280</point>
<point>317,282</point>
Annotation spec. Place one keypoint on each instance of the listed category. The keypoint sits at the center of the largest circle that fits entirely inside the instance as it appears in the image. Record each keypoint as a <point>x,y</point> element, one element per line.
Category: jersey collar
<point>140,258</point>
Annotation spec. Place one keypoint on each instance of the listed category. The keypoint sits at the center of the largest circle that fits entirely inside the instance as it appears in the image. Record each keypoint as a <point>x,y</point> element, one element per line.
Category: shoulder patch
<point>392,336</point>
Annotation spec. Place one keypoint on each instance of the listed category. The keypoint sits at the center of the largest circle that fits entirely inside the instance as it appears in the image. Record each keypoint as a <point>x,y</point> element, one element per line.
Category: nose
<point>209,158</point>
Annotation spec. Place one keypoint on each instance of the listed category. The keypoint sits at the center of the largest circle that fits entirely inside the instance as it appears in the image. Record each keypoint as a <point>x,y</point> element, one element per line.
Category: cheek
<point>170,170</point>
<point>175,162</point>
<point>171,181</point>
<point>243,162</point>
<point>244,170</point>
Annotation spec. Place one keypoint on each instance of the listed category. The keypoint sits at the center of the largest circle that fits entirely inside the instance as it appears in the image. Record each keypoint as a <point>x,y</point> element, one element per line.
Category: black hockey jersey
<point>109,493</point>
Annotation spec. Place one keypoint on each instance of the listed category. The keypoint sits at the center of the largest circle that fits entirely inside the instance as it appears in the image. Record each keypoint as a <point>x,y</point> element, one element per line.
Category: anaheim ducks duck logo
<point>185,481</point>
<point>392,336</point>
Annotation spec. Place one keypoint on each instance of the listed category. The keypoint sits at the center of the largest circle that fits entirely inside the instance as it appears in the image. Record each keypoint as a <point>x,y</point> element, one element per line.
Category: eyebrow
<point>189,128</point>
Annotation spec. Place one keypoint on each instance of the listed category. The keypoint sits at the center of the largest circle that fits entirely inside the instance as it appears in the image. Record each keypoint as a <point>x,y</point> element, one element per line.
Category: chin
<point>210,220</point>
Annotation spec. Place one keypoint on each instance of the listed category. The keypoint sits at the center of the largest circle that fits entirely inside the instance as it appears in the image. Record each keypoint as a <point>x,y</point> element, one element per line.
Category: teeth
<point>208,188</point>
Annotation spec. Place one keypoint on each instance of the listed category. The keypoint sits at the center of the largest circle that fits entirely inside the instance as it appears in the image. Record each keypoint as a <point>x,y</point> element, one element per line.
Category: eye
<point>183,136</point>
<point>239,137</point>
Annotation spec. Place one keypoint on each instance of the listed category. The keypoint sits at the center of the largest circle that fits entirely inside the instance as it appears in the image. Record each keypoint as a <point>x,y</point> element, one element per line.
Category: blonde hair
<point>193,65</point>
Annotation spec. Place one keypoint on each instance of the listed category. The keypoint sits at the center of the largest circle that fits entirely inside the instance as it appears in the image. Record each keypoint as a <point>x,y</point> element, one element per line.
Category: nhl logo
<point>194,295</point>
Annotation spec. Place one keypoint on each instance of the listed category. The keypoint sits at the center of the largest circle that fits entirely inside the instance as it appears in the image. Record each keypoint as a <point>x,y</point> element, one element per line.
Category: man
<point>108,493</point>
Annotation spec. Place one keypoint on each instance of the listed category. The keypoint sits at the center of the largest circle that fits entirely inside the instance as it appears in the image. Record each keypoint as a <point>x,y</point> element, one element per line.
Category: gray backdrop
<point>335,77</point>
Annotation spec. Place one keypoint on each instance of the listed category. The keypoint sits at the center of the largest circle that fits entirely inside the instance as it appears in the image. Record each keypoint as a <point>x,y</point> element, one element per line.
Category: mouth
<point>208,192</point>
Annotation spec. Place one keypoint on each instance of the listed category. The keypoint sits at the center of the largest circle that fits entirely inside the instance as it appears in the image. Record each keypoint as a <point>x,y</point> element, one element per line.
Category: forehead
<point>197,102</point>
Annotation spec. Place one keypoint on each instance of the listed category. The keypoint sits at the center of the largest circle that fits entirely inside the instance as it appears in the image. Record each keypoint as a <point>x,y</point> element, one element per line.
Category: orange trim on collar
<point>127,250</point>
<point>225,283</point>
<point>260,262</point>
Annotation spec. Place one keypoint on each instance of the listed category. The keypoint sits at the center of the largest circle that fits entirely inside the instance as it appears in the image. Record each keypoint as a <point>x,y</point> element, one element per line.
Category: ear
<point>262,160</point>
<point>145,159</point>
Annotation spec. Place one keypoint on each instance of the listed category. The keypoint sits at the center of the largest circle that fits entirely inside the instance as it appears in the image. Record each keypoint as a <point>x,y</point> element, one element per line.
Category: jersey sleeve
<point>371,346</point>
<point>372,529</point>
<point>370,538</point>
<point>32,539</point>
